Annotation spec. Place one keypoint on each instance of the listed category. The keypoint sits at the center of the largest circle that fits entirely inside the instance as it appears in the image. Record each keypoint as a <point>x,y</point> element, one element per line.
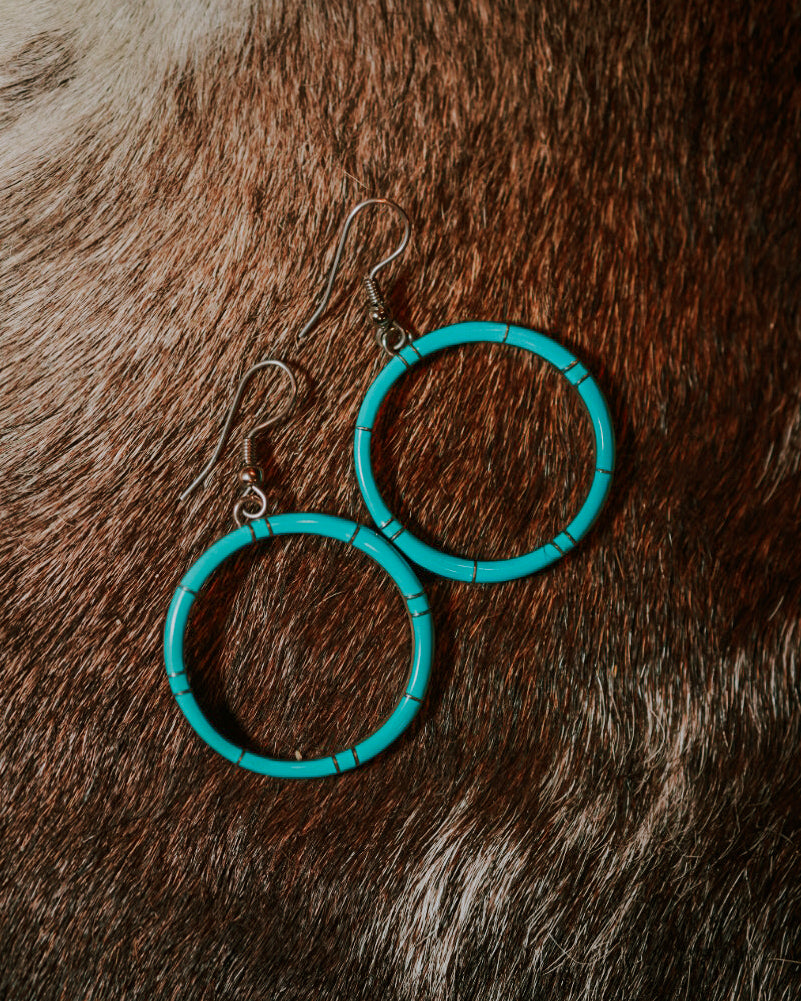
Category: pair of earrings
<point>394,542</point>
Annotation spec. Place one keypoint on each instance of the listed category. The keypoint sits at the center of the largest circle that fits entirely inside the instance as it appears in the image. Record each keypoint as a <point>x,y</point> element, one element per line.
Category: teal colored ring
<point>366,541</point>
<point>457,567</point>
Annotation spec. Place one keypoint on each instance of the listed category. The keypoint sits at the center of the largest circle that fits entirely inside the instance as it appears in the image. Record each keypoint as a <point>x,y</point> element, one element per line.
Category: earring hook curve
<point>407,231</point>
<point>240,392</point>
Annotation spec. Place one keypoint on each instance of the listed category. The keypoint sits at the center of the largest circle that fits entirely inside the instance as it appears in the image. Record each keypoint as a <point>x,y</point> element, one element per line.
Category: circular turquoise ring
<point>457,567</point>
<point>366,541</point>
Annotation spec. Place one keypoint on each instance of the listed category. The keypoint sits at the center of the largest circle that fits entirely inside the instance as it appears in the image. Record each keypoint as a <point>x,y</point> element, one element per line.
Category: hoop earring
<point>457,567</point>
<point>404,354</point>
<point>253,526</point>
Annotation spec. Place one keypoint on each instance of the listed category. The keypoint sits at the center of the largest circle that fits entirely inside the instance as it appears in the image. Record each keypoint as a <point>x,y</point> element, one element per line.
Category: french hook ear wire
<point>232,411</point>
<point>384,321</point>
<point>374,297</point>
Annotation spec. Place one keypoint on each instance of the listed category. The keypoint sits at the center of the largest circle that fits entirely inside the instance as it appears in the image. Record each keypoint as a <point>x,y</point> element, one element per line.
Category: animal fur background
<point>600,798</point>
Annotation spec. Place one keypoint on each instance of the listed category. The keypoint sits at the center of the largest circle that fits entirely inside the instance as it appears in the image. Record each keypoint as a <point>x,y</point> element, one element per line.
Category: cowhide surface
<point>600,796</point>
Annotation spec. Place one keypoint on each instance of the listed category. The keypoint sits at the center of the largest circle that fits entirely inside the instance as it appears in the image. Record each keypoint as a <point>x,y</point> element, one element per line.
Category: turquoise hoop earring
<point>254,526</point>
<point>405,353</point>
<point>456,567</point>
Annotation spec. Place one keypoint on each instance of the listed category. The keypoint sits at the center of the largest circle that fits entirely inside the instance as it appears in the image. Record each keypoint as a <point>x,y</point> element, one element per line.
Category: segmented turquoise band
<point>457,567</point>
<point>366,541</point>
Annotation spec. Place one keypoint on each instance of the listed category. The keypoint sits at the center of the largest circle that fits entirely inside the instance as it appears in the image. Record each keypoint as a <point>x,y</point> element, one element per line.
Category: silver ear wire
<point>251,475</point>
<point>387,327</point>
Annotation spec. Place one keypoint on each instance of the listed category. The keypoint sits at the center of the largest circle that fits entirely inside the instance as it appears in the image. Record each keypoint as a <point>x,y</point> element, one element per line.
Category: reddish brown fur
<point>600,796</point>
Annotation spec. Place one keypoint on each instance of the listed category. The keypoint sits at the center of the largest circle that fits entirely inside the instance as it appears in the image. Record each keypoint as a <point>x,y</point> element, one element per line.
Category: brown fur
<point>600,796</point>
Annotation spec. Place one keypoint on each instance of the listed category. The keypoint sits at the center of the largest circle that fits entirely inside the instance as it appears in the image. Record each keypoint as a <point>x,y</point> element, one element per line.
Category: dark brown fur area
<point>599,798</point>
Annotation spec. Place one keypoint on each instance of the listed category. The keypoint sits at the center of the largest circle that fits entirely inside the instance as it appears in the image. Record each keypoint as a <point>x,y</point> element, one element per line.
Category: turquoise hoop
<point>366,541</point>
<point>457,567</point>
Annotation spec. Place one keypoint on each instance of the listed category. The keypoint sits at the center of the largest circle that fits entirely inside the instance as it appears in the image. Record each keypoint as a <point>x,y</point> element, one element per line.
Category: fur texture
<point>599,799</point>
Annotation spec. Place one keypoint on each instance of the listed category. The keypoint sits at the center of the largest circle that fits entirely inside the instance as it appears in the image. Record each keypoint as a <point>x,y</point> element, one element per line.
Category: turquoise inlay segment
<point>457,567</point>
<point>564,542</point>
<point>363,539</point>
<point>262,528</point>
<point>417,605</point>
<point>575,373</point>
